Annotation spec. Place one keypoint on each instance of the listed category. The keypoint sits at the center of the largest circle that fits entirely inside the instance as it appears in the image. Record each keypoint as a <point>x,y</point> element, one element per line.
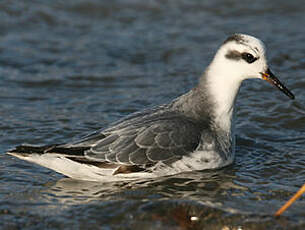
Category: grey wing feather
<point>145,143</point>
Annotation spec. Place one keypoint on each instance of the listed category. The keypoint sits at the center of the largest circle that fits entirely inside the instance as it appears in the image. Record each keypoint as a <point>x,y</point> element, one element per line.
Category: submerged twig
<point>289,202</point>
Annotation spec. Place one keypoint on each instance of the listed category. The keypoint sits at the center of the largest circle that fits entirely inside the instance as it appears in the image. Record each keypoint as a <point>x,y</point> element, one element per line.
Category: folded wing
<point>162,140</point>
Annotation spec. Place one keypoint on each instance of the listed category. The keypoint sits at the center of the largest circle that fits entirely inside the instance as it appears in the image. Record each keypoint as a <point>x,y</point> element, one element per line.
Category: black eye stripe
<point>248,57</point>
<point>235,55</point>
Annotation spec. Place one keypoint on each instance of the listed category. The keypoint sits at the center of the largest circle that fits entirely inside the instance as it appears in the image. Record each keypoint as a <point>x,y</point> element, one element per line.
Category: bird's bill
<point>269,76</point>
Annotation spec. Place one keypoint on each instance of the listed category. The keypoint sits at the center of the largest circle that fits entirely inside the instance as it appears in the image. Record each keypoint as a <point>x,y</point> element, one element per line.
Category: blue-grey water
<point>70,67</point>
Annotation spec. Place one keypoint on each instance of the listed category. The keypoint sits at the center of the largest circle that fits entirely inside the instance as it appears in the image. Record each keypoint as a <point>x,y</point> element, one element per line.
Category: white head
<point>240,57</point>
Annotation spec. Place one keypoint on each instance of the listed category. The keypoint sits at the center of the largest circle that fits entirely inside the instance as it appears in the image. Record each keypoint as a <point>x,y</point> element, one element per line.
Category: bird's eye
<point>248,57</point>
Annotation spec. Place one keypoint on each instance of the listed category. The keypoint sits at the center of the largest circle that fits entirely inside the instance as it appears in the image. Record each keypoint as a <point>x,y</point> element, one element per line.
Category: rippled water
<point>70,67</point>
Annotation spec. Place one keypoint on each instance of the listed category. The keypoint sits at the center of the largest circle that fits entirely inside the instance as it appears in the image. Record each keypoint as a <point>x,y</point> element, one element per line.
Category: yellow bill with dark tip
<point>269,76</point>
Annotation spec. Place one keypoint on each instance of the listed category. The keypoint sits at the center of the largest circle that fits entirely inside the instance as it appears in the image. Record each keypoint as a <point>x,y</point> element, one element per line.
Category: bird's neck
<point>222,89</point>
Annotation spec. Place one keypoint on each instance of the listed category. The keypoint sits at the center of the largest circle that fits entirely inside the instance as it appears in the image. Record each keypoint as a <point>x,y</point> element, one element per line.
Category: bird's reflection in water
<point>185,201</point>
<point>210,186</point>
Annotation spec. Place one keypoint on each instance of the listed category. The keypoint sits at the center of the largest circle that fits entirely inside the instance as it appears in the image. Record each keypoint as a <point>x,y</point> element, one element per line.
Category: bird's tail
<point>72,162</point>
<point>68,161</point>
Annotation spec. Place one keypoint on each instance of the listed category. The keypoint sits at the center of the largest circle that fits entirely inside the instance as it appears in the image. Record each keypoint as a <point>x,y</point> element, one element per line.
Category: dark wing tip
<point>26,150</point>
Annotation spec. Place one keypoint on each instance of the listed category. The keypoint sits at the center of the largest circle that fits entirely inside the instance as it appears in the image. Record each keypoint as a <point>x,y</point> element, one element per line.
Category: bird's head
<point>243,57</point>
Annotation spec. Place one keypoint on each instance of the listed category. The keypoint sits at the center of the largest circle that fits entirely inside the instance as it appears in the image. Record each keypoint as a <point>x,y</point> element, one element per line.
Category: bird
<point>193,132</point>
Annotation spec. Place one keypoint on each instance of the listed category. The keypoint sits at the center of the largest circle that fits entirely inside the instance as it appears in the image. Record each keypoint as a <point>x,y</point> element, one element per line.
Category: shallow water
<point>68,68</point>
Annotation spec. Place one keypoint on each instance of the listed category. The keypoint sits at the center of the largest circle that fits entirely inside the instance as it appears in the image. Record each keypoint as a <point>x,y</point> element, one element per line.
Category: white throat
<point>223,87</point>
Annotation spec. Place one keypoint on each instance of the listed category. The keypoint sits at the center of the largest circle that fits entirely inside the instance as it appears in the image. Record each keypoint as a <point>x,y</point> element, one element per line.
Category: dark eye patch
<point>234,55</point>
<point>248,57</point>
